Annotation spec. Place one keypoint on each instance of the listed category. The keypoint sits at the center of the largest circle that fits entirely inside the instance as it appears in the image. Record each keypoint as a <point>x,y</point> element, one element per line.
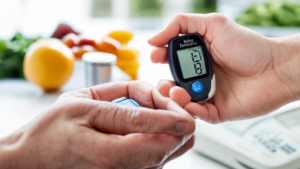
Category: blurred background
<point>40,17</point>
<point>94,19</point>
<point>23,22</point>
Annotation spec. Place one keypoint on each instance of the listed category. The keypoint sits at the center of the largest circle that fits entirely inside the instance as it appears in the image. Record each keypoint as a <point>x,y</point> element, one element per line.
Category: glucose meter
<point>191,66</point>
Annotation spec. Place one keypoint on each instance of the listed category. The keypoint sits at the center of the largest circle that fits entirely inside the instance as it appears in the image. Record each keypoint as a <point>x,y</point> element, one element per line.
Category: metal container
<point>98,67</point>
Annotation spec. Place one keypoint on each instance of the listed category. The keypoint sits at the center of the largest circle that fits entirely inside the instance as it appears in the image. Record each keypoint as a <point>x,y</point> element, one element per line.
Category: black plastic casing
<point>188,41</point>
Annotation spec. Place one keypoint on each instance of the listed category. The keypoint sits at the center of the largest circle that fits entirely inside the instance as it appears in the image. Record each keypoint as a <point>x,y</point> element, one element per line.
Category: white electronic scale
<point>269,142</point>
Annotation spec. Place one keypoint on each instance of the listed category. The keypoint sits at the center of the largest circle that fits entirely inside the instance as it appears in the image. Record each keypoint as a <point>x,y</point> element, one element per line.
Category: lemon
<point>48,63</point>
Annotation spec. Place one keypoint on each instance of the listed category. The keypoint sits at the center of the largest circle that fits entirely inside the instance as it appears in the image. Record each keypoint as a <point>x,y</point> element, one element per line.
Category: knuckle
<point>142,92</point>
<point>181,16</point>
<point>214,120</point>
<point>75,108</point>
<point>81,93</point>
<point>104,113</point>
<point>120,116</point>
<point>65,95</point>
<point>84,93</point>
<point>140,84</point>
<point>136,119</point>
<point>218,17</point>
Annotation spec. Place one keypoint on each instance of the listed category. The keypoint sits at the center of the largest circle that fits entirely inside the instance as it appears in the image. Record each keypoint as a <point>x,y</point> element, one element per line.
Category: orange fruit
<point>128,54</point>
<point>48,63</point>
<point>70,40</point>
<point>79,51</point>
<point>121,36</point>
<point>109,45</point>
<point>129,67</point>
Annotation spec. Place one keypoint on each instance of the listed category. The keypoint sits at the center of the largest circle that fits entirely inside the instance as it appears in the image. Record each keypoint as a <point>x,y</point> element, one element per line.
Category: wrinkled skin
<point>254,74</point>
<point>83,129</point>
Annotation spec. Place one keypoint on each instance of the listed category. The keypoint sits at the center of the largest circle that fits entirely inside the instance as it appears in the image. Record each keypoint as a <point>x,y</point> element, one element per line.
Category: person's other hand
<point>83,129</point>
<point>253,76</point>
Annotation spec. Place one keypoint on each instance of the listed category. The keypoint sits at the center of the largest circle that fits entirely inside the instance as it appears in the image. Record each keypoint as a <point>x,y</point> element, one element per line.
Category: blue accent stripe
<point>135,103</point>
<point>122,100</point>
<point>132,101</point>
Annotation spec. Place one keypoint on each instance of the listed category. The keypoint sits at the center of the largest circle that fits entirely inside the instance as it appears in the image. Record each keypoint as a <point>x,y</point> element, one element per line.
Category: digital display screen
<point>191,62</point>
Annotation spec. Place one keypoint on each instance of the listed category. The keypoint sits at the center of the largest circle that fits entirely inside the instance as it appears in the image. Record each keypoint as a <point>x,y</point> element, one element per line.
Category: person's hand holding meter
<point>84,129</point>
<point>254,74</point>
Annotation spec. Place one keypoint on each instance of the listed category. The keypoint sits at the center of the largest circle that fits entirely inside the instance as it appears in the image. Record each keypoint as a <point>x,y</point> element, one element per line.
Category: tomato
<point>85,41</point>
<point>62,30</point>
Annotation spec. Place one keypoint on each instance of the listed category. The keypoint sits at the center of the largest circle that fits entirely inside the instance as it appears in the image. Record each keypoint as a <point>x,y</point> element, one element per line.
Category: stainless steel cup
<point>98,67</point>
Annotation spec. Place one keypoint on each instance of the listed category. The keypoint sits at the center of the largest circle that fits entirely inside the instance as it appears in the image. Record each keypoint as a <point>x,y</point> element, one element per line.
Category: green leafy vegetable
<point>146,8</point>
<point>204,6</point>
<point>272,13</point>
<point>12,54</point>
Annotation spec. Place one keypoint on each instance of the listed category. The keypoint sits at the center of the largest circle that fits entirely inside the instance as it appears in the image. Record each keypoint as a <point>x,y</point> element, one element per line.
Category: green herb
<point>204,6</point>
<point>12,54</point>
<point>272,13</point>
<point>146,8</point>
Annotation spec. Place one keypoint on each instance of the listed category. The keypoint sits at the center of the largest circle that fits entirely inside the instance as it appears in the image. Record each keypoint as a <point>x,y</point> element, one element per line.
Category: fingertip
<point>164,90</point>
<point>204,111</point>
<point>157,40</point>
<point>151,41</point>
<point>164,87</point>
<point>192,126</point>
<point>185,127</point>
<point>197,111</point>
<point>180,96</point>
<point>159,55</point>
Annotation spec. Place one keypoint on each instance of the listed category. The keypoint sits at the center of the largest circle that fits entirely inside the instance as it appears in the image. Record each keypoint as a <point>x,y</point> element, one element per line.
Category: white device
<point>126,102</point>
<point>269,142</point>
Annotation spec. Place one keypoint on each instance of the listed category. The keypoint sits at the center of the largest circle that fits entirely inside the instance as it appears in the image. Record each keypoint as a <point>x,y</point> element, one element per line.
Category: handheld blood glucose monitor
<point>191,66</point>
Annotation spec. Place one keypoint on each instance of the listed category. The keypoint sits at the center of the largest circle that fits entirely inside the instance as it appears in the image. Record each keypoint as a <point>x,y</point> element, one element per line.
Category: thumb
<point>116,119</point>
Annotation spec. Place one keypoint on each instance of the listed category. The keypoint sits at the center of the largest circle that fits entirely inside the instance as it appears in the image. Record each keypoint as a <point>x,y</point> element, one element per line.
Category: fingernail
<point>170,93</point>
<point>182,127</point>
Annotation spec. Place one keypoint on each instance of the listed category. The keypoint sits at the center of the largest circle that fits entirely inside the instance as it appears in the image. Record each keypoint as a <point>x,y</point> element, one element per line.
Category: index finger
<point>143,93</point>
<point>207,25</point>
<point>139,91</point>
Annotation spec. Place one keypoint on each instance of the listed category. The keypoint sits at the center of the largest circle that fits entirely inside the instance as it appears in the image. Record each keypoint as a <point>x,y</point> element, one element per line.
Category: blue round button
<point>197,87</point>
